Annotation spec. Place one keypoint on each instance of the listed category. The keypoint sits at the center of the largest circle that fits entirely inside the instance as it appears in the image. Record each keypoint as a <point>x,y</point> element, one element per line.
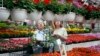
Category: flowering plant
<point>85,8</point>
<point>22,4</point>
<point>14,44</point>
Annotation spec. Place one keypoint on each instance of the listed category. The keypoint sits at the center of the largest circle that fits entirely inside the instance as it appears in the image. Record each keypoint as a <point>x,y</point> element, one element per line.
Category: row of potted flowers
<point>79,51</point>
<point>12,30</point>
<point>15,33</point>
<point>19,10</point>
<point>14,44</point>
<point>52,5</point>
<point>92,34</point>
<point>22,15</point>
<point>76,38</point>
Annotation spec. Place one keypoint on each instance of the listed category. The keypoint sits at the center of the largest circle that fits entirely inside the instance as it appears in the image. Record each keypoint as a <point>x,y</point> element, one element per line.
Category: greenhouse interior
<point>49,27</point>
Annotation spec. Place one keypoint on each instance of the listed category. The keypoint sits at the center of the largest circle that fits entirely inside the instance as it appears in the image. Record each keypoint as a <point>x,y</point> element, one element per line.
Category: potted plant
<point>95,14</point>
<point>35,15</point>
<point>70,16</point>
<point>19,8</point>
<point>55,8</point>
<point>81,13</point>
<point>4,13</point>
<point>49,15</point>
<point>59,17</point>
<point>38,10</point>
<point>79,18</point>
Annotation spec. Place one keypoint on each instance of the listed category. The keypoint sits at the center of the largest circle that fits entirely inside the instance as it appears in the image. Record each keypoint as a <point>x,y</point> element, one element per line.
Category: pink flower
<point>77,4</point>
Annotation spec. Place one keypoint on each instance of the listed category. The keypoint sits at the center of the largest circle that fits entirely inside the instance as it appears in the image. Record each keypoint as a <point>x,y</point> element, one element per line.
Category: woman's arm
<point>62,35</point>
<point>58,36</point>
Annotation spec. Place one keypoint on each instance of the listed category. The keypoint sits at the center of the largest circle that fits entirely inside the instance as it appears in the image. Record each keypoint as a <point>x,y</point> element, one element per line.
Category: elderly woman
<point>40,37</point>
<point>39,32</point>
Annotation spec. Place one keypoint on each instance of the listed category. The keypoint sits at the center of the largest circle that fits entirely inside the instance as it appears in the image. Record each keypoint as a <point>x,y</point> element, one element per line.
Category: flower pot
<point>19,14</point>
<point>71,16</point>
<point>4,14</point>
<point>65,17</point>
<point>79,18</point>
<point>59,17</point>
<point>49,16</point>
<point>36,15</point>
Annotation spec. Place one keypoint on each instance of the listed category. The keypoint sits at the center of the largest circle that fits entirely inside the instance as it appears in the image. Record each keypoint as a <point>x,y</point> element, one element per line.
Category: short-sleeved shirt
<point>61,32</point>
<point>39,35</point>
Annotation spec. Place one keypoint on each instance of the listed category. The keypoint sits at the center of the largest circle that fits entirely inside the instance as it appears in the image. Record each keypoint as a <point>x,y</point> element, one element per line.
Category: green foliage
<point>40,6</point>
<point>56,7</point>
<point>0,3</point>
<point>23,4</point>
<point>80,11</point>
<point>69,7</point>
<point>95,14</point>
<point>3,25</point>
<point>9,4</point>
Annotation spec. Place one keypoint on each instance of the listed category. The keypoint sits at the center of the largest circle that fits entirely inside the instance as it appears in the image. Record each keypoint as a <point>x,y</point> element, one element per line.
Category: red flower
<point>36,1</point>
<point>69,1</point>
<point>47,1</point>
<point>90,8</point>
<point>97,9</point>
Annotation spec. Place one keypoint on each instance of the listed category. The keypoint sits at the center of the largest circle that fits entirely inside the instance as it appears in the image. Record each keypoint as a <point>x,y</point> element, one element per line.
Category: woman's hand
<point>58,36</point>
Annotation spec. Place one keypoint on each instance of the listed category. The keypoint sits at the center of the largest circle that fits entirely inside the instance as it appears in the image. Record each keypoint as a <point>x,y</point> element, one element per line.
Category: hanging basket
<point>59,17</point>
<point>65,17</point>
<point>19,15</point>
<point>71,16</point>
<point>36,15</point>
<point>79,18</point>
<point>4,14</point>
<point>49,16</point>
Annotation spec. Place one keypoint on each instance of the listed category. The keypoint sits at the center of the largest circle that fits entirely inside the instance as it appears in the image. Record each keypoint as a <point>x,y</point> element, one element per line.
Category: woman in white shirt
<point>59,33</point>
<point>59,30</point>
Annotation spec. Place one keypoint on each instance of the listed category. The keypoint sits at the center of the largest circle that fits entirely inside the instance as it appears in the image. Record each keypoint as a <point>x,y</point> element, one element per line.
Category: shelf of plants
<point>81,45</point>
<point>17,38</point>
<point>79,51</point>
<point>14,38</point>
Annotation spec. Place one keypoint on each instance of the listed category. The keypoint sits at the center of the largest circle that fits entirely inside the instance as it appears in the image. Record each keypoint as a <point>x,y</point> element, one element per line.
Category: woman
<point>59,30</point>
<point>59,33</point>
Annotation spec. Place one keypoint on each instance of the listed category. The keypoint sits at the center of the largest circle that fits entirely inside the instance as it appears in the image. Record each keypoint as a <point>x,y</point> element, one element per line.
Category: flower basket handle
<point>1,4</point>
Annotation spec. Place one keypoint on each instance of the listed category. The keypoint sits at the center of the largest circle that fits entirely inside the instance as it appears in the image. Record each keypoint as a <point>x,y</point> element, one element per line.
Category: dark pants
<point>39,47</point>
